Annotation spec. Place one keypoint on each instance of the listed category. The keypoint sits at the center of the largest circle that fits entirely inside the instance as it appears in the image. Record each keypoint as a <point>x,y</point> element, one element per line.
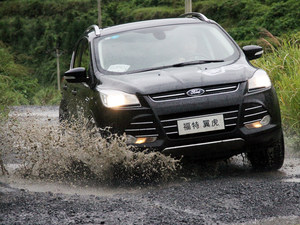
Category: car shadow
<point>237,166</point>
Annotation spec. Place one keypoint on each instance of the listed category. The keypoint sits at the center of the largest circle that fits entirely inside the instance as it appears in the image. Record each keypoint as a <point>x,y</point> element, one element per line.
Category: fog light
<point>130,139</point>
<point>263,122</point>
<point>254,125</point>
<point>142,140</point>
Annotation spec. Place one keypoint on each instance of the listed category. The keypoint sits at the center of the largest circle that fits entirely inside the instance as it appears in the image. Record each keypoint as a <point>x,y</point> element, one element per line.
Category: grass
<point>282,62</point>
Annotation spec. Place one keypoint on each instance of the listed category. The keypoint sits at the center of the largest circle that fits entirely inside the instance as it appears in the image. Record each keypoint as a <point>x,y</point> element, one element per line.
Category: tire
<point>269,158</point>
<point>63,112</point>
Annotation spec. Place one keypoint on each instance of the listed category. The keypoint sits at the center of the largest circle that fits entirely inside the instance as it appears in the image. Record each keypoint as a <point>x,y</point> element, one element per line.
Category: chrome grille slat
<point>255,107</point>
<point>141,123</point>
<point>166,127</point>
<point>166,96</point>
<point>255,114</point>
<point>141,129</point>
<point>230,125</point>
<point>204,143</point>
<point>213,114</point>
<point>175,132</point>
<point>231,118</point>
<point>147,135</point>
<point>142,126</point>
<point>220,89</point>
<point>182,94</point>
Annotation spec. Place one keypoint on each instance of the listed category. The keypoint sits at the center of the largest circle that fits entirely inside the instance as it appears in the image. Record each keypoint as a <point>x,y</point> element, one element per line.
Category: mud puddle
<point>275,221</point>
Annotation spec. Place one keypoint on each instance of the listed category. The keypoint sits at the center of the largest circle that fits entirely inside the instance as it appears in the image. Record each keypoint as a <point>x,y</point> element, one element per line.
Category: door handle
<point>74,92</point>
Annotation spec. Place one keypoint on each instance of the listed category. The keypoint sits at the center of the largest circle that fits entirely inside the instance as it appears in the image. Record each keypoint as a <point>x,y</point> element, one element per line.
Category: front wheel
<point>63,112</point>
<point>269,158</point>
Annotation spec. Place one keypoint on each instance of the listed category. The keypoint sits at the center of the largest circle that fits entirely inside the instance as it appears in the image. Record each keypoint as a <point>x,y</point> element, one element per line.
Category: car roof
<point>147,24</point>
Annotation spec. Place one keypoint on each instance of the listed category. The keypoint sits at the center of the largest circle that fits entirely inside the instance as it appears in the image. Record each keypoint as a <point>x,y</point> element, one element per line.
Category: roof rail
<point>95,28</point>
<point>200,16</point>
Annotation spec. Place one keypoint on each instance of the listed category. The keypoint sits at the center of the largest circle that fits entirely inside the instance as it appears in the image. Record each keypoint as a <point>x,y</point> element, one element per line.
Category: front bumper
<point>159,119</point>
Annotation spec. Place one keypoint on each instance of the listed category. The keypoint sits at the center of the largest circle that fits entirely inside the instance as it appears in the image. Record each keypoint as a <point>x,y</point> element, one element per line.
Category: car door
<point>82,91</point>
<point>69,89</point>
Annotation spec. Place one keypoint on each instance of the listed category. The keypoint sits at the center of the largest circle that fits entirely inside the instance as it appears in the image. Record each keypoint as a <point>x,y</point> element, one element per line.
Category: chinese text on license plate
<point>200,124</point>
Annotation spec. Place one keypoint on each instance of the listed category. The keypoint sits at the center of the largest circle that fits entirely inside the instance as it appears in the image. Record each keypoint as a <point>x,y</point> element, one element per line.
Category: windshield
<point>164,46</point>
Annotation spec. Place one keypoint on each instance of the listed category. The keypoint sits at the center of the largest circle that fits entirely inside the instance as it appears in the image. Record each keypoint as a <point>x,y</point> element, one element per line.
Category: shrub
<point>16,86</point>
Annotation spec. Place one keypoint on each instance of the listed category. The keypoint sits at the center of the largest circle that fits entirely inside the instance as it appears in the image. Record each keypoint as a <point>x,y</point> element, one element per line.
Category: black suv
<point>181,86</point>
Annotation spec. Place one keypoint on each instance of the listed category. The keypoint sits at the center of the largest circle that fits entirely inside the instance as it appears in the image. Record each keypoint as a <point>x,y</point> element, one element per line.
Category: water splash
<point>69,152</point>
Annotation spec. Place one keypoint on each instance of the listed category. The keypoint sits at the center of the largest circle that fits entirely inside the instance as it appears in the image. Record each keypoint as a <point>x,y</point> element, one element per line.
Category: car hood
<point>171,79</point>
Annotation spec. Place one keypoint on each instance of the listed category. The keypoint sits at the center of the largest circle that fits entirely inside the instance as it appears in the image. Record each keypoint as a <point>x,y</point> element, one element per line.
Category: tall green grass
<point>282,62</point>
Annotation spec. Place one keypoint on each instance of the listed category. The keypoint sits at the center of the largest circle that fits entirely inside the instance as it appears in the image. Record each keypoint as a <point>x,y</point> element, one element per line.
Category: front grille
<point>142,127</point>
<point>208,90</point>
<point>170,127</point>
<point>253,112</point>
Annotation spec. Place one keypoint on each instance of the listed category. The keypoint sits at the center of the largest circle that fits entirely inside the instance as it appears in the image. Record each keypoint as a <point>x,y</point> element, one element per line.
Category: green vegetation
<point>34,29</point>
<point>244,19</point>
<point>31,31</point>
<point>283,66</point>
<point>17,86</point>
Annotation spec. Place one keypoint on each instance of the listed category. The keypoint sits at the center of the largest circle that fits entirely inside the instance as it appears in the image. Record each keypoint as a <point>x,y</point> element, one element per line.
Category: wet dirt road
<point>216,193</point>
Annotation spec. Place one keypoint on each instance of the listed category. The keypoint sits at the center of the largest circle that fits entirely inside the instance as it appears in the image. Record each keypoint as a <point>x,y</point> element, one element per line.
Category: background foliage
<point>283,65</point>
<point>34,29</point>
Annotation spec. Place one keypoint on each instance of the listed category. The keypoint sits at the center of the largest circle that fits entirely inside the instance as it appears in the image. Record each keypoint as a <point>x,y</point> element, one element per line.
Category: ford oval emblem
<point>195,92</point>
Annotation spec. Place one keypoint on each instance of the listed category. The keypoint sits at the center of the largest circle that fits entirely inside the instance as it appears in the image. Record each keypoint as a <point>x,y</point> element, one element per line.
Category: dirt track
<point>215,193</point>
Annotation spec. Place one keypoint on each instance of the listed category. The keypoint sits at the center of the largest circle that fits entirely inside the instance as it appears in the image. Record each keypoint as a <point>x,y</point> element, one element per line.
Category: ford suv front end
<point>180,86</point>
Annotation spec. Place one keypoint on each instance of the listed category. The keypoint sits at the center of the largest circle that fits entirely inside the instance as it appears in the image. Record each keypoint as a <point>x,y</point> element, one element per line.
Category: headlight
<point>112,99</point>
<point>259,80</point>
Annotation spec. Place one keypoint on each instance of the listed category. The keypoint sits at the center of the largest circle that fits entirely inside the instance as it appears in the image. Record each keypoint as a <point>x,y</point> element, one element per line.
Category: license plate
<point>200,124</point>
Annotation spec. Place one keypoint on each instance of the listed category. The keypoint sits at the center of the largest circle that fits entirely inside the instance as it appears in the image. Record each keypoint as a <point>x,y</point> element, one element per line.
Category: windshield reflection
<point>162,47</point>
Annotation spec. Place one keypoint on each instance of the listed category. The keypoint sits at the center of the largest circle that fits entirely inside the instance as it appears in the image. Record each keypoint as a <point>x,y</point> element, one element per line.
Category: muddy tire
<point>270,158</point>
<point>63,112</point>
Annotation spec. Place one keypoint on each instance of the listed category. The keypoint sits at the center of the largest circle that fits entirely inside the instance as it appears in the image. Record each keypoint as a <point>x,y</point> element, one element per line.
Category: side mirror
<point>253,51</point>
<point>76,75</point>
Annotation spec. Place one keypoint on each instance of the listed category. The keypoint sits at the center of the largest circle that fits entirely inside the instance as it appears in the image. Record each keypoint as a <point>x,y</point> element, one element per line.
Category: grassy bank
<point>282,62</point>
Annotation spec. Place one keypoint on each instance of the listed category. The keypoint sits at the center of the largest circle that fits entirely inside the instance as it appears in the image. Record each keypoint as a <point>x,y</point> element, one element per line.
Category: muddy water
<point>36,147</point>
<point>43,156</point>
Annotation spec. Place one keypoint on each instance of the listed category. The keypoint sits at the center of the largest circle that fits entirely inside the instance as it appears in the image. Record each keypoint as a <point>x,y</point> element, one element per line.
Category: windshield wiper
<point>180,65</point>
<point>196,62</point>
